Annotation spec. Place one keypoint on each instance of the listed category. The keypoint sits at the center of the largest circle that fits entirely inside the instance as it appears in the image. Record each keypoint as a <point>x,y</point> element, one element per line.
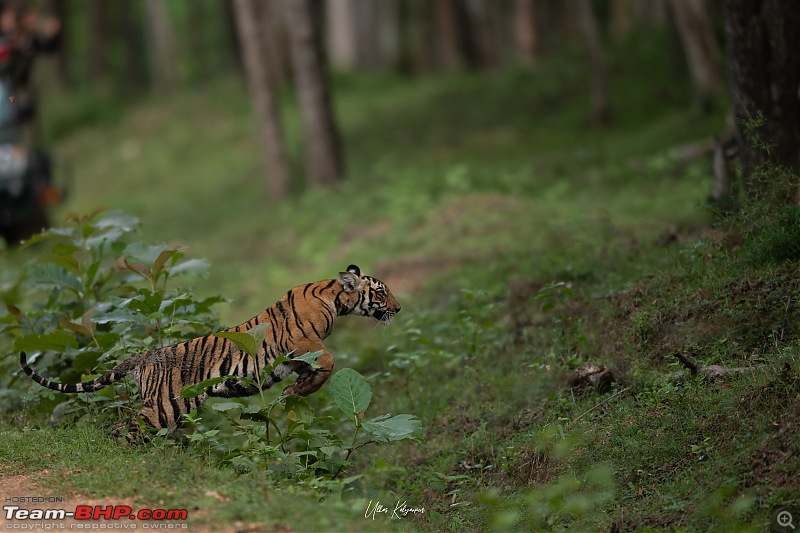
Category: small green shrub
<point>299,446</point>
<point>93,298</point>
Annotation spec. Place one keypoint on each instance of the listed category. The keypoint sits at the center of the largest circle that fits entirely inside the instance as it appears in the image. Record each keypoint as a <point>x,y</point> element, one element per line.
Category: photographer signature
<point>400,511</point>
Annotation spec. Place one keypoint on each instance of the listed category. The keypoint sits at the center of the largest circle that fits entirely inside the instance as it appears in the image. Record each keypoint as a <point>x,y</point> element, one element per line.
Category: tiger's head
<point>368,296</point>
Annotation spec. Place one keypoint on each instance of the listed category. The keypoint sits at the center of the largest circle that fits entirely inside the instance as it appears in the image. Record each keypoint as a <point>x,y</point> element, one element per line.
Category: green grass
<point>470,196</point>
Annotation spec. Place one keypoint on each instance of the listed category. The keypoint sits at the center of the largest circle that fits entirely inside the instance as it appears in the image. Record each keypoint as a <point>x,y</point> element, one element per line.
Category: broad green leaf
<point>138,268</point>
<point>224,407</point>
<point>249,341</point>
<point>117,219</point>
<point>244,341</point>
<point>57,341</point>
<point>388,428</point>
<point>310,358</point>
<point>258,332</point>
<point>86,360</point>
<point>114,317</point>
<point>351,392</point>
<point>63,323</point>
<point>196,389</point>
<point>196,267</point>
<point>255,412</point>
<point>162,258</point>
<point>53,275</point>
<point>39,237</point>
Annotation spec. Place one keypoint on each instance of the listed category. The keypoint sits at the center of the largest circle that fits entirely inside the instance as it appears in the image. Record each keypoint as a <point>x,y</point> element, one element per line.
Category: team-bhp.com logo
<point>163,518</point>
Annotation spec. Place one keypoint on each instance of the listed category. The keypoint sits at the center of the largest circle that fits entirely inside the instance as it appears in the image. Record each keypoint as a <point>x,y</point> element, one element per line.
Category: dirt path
<point>21,496</point>
<point>20,491</point>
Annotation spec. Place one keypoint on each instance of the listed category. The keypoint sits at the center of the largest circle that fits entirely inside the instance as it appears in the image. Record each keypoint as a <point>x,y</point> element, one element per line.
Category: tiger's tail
<point>112,376</point>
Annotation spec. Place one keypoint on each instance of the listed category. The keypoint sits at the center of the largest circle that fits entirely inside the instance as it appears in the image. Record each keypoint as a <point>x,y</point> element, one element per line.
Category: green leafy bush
<point>299,445</point>
<point>93,298</point>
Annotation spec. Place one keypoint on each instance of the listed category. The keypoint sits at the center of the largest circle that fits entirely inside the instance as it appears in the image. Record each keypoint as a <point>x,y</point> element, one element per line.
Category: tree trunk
<point>164,52</point>
<point>324,163</point>
<point>134,77</point>
<point>263,97</point>
<point>370,53</point>
<point>528,31</point>
<point>342,42</point>
<point>98,40</point>
<point>598,84</point>
<point>702,52</point>
<point>446,33</point>
<point>274,42</point>
<point>622,18</point>
<point>763,47</point>
<point>478,32</point>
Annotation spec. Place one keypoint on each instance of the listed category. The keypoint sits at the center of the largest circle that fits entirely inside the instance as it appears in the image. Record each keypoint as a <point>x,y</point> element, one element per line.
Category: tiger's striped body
<point>297,324</point>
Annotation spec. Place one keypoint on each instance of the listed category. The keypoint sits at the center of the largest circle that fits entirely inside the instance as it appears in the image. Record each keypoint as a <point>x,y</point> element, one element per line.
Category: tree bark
<point>341,34</point>
<point>263,97</point>
<point>478,25</point>
<point>134,77</point>
<point>622,18</point>
<point>99,40</point>
<point>700,49</point>
<point>446,32</point>
<point>274,42</point>
<point>164,52</point>
<point>528,20</point>
<point>763,48</point>
<point>323,157</point>
<point>598,84</point>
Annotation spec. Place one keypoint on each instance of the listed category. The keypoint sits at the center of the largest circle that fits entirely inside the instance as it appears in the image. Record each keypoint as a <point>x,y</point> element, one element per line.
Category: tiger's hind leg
<point>136,431</point>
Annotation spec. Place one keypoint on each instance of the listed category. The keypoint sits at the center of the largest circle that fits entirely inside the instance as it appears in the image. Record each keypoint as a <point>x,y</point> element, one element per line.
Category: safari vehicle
<point>26,189</point>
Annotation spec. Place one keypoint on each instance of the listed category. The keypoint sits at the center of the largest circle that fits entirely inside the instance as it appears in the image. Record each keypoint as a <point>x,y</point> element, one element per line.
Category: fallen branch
<point>710,373</point>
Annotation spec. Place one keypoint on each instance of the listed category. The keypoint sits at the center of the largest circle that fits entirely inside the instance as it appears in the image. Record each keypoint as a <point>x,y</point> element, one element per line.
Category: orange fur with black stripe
<point>298,323</point>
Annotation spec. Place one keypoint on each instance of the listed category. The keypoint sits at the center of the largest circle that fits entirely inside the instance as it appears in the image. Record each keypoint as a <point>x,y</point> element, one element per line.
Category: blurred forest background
<point>555,189</point>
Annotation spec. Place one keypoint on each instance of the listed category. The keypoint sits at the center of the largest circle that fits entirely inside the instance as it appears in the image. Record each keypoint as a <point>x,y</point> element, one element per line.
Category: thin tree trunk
<point>702,52</point>
<point>622,18</point>
<point>274,42</point>
<point>263,97</point>
<point>446,33</point>
<point>342,42</point>
<point>99,40</point>
<point>598,85</point>
<point>478,33</point>
<point>164,53</point>
<point>324,162</point>
<point>370,53</point>
<point>528,31</point>
<point>763,45</point>
<point>134,77</point>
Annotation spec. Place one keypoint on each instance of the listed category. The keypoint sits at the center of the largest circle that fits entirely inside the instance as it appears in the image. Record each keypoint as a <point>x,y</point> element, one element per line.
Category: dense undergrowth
<point>522,245</point>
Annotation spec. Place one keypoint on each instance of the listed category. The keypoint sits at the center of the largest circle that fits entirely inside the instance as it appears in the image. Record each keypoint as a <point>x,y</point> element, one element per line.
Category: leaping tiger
<point>298,323</point>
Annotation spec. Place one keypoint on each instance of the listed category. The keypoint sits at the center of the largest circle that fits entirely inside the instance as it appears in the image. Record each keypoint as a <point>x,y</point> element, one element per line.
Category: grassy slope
<point>496,186</point>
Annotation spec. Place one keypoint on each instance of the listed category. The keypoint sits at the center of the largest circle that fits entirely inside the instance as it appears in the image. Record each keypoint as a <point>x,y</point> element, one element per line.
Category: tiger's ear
<point>351,280</point>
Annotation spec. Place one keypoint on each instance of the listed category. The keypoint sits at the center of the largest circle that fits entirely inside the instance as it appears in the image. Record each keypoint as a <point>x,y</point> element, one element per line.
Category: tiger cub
<point>298,323</point>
